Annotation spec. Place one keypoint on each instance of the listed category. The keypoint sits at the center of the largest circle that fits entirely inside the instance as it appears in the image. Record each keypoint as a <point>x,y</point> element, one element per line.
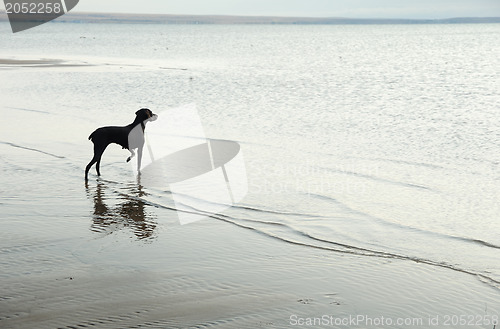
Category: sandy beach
<point>54,63</point>
<point>90,256</point>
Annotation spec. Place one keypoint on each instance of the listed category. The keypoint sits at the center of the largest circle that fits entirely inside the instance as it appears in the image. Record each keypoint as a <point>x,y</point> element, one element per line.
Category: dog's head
<point>146,115</point>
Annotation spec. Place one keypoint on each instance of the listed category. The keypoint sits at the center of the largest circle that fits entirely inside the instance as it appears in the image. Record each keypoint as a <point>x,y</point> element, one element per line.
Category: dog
<point>130,137</point>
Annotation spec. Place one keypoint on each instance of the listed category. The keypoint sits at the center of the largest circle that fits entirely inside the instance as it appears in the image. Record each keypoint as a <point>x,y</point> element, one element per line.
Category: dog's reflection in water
<point>117,210</point>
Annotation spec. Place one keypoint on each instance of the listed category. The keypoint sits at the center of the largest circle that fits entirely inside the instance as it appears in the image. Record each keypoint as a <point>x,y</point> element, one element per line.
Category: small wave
<point>27,110</point>
<point>401,226</point>
<point>270,211</point>
<point>240,206</point>
<point>57,113</point>
<point>411,163</point>
<point>476,241</point>
<point>378,179</point>
<point>33,149</point>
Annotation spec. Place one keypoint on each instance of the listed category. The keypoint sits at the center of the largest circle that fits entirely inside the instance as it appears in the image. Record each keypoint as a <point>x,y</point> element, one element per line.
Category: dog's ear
<point>142,110</point>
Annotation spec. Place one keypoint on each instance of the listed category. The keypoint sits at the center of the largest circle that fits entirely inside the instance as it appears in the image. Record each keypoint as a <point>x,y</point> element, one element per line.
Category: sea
<point>371,140</point>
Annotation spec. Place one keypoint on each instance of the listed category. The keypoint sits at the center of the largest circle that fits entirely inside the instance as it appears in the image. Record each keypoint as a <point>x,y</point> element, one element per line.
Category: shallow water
<point>378,141</point>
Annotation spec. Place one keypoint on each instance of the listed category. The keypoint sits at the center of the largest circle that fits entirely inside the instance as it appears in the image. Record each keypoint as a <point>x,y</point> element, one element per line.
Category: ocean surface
<point>372,140</point>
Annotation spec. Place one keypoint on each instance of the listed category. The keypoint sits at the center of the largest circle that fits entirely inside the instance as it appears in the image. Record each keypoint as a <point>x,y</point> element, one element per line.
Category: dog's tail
<point>92,136</point>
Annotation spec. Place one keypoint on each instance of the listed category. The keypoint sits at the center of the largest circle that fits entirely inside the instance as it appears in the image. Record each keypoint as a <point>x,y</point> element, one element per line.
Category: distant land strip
<point>224,19</point>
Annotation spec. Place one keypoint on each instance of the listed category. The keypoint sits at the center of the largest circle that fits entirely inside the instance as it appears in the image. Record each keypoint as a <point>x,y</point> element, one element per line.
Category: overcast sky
<point>318,8</point>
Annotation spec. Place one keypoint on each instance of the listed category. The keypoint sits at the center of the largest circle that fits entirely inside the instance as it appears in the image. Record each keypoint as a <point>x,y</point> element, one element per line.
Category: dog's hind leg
<point>94,160</point>
<point>98,151</point>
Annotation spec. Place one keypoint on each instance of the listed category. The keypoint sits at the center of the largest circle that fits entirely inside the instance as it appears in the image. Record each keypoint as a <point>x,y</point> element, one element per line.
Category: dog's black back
<point>104,136</point>
<point>108,135</point>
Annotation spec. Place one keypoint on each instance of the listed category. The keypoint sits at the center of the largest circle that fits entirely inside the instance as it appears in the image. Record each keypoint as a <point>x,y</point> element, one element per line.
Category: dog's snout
<point>151,115</point>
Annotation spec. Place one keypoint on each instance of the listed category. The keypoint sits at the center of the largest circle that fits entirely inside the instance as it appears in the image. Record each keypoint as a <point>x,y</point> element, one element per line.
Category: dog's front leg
<point>132,154</point>
<point>139,159</point>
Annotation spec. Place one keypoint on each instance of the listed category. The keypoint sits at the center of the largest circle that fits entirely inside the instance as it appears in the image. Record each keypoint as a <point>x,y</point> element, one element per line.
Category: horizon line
<point>145,18</point>
<point>2,11</point>
<point>286,16</point>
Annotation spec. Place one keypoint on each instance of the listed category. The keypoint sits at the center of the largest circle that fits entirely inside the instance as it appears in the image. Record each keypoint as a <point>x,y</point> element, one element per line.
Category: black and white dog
<point>129,137</point>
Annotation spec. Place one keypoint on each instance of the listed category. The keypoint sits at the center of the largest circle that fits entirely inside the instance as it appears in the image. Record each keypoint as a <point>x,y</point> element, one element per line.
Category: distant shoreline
<point>115,18</point>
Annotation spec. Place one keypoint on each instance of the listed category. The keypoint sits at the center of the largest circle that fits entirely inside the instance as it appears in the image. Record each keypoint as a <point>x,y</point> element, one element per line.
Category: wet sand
<point>214,274</point>
<point>6,63</point>
<point>75,63</point>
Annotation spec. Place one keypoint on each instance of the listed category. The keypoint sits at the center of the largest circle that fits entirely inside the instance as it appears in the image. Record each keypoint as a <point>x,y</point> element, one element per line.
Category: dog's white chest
<point>136,138</point>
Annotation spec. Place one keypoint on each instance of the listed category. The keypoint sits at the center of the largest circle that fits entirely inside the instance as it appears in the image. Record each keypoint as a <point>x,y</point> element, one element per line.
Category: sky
<point>316,8</point>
